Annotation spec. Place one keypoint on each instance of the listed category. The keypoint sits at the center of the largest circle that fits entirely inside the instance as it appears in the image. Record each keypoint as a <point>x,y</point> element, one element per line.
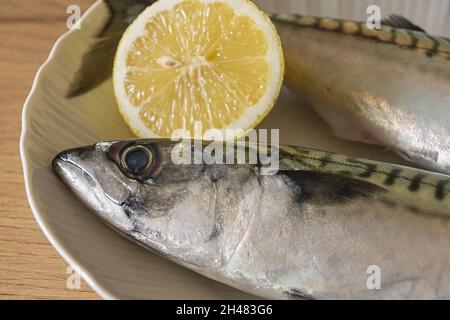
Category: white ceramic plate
<point>112,266</point>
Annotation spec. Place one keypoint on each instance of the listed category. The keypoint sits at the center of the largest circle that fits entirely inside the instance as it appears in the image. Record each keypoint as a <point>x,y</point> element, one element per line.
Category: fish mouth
<point>62,161</point>
<point>77,177</point>
<point>64,157</point>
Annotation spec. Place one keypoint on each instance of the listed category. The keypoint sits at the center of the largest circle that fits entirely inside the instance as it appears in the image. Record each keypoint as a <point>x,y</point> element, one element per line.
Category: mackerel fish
<point>315,229</point>
<point>388,87</point>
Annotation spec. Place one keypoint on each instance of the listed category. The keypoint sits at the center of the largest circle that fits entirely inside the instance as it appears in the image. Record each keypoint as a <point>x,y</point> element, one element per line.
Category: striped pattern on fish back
<point>432,186</point>
<point>387,34</point>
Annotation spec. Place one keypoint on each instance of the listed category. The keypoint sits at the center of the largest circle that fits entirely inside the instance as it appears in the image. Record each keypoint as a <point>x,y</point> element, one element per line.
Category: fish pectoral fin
<point>325,187</point>
<point>397,21</point>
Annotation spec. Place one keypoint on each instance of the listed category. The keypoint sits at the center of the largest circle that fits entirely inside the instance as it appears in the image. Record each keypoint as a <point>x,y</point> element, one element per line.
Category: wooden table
<point>29,266</point>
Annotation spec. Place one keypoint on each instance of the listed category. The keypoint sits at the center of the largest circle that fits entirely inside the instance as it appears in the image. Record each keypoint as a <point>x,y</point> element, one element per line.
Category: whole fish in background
<point>388,87</point>
<point>310,231</point>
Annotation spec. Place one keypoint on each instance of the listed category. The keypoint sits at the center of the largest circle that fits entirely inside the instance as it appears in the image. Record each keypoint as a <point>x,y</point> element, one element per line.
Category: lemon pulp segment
<point>197,61</point>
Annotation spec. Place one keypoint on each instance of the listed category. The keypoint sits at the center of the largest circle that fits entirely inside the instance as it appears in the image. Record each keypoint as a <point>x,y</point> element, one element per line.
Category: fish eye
<point>137,161</point>
<point>136,158</point>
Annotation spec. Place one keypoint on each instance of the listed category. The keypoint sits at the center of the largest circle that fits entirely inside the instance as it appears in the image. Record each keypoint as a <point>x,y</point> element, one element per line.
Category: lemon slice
<point>215,62</point>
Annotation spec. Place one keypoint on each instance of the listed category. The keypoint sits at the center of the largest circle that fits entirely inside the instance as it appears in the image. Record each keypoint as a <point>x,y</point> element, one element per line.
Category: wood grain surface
<point>29,266</point>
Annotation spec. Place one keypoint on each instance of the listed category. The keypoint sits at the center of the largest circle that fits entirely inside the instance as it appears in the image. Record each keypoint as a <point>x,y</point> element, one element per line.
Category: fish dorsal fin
<point>397,21</point>
<point>324,187</point>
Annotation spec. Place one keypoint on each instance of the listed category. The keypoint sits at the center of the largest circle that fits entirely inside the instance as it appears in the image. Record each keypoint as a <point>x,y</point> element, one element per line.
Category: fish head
<point>141,189</point>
